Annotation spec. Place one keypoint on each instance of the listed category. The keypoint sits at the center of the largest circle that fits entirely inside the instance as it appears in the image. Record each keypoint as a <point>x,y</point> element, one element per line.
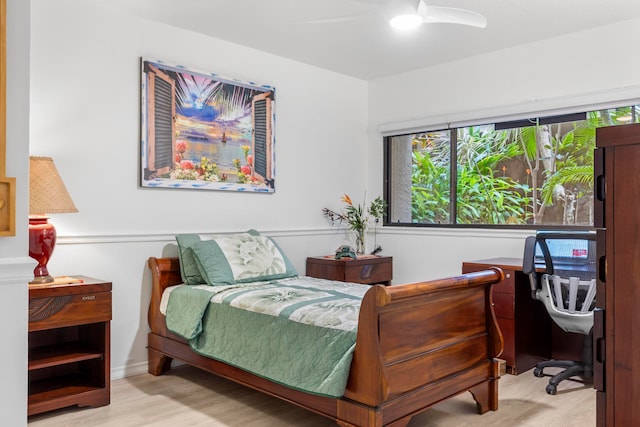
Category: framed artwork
<point>206,132</point>
<point>7,185</point>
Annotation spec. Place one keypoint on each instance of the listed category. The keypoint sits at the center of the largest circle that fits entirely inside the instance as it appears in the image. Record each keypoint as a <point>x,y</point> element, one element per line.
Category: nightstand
<point>69,344</point>
<point>367,269</point>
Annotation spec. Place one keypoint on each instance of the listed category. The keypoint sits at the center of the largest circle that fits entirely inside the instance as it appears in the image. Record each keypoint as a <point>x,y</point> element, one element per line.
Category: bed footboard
<point>417,344</point>
<point>421,343</point>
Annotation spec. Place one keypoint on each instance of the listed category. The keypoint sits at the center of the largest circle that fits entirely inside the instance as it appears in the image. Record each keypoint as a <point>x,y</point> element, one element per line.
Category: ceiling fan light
<point>406,22</point>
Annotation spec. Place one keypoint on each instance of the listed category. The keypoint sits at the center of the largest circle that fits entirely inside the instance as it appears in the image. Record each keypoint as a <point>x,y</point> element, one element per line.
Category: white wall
<point>85,114</point>
<point>15,266</point>
<point>578,69</point>
<point>85,80</point>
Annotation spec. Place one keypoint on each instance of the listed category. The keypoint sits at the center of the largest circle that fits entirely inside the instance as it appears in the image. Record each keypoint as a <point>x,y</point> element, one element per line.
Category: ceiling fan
<point>437,14</point>
<point>413,15</point>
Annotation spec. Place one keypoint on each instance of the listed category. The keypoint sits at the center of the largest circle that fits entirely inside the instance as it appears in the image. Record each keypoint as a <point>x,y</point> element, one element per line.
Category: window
<point>534,172</point>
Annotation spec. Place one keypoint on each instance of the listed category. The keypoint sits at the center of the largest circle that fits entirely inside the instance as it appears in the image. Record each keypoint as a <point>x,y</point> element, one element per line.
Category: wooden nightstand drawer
<point>69,310</point>
<point>367,270</point>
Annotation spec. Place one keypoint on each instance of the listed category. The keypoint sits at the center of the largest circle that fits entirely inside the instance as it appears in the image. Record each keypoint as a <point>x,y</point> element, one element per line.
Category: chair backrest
<point>571,295</point>
<point>566,263</point>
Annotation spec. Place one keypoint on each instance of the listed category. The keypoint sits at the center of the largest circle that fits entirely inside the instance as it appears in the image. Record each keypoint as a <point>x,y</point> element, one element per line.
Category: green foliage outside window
<point>537,174</point>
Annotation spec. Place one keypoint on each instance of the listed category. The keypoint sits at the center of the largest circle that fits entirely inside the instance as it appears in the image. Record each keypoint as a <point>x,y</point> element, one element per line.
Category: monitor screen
<point>568,249</point>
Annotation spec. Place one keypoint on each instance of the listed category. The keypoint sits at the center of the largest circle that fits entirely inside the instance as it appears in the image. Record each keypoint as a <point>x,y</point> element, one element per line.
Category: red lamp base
<point>42,240</point>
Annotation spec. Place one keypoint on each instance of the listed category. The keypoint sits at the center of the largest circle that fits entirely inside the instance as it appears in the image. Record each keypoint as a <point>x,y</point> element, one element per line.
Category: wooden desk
<point>524,323</point>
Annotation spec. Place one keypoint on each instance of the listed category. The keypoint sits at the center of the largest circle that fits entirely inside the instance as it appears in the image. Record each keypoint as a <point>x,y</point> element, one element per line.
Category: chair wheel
<point>537,372</point>
<point>552,389</point>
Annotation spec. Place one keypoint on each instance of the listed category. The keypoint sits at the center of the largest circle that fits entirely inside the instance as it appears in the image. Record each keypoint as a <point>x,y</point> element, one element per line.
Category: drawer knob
<point>88,298</point>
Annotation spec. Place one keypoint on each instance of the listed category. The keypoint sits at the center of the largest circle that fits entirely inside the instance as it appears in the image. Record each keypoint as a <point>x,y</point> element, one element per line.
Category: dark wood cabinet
<point>617,319</point>
<point>367,269</point>
<point>523,321</point>
<point>69,344</point>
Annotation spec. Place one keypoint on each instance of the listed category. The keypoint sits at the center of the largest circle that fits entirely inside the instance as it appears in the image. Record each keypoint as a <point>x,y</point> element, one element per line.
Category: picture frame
<point>203,131</point>
<point>7,185</point>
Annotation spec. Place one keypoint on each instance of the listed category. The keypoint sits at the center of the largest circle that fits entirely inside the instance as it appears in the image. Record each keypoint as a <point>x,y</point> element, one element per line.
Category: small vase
<point>360,248</point>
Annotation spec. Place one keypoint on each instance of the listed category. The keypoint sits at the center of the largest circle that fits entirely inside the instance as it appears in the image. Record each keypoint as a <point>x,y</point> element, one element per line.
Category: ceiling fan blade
<point>450,15</point>
<point>358,14</point>
<point>333,20</point>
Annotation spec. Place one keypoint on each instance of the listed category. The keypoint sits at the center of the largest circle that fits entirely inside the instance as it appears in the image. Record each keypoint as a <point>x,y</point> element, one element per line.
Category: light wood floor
<point>189,397</point>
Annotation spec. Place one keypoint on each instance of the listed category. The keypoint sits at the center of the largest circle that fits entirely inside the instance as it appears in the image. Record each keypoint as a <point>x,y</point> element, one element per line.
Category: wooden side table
<point>368,269</point>
<point>69,344</point>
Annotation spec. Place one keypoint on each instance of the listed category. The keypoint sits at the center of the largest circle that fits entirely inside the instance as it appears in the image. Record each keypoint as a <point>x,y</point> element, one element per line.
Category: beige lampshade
<point>47,193</point>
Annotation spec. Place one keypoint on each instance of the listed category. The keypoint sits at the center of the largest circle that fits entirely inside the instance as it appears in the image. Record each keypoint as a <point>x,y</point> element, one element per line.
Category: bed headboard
<point>165,273</point>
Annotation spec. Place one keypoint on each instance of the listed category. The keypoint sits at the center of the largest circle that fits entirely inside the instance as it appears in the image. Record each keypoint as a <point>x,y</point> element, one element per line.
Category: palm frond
<point>569,175</point>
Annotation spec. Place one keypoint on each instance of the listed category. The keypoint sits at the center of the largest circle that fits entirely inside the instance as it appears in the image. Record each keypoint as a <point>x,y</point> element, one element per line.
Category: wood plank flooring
<point>189,397</point>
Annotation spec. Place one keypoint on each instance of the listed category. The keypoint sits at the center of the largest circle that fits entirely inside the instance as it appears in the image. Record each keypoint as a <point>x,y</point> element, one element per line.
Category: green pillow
<point>241,258</point>
<point>188,265</point>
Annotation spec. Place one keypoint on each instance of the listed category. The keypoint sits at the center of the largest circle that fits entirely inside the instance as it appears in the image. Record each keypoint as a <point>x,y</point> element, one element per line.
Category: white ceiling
<point>353,37</point>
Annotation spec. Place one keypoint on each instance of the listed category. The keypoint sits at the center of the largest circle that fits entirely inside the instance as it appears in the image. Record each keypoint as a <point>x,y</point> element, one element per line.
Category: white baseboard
<point>129,370</point>
<point>137,369</point>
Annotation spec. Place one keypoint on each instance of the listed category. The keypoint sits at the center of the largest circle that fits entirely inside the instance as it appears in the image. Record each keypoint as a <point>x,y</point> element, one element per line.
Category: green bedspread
<point>300,332</point>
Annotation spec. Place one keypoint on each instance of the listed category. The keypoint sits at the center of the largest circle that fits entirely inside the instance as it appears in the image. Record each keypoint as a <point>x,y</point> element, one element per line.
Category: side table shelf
<point>69,345</point>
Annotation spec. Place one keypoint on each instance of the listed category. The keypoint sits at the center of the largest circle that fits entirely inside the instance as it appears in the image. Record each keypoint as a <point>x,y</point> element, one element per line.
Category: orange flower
<point>187,164</point>
<point>347,199</point>
<point>181,146</point>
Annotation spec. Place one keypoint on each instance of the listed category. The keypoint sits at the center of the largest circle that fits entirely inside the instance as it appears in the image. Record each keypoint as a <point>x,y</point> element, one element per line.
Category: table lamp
<point>47,195</point>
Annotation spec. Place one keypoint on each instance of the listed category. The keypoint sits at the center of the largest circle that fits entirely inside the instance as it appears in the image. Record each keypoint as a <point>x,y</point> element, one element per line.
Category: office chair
<point>567,288</point>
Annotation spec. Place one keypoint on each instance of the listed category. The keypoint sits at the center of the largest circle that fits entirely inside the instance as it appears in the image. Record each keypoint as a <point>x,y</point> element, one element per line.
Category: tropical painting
<point>203,131</point>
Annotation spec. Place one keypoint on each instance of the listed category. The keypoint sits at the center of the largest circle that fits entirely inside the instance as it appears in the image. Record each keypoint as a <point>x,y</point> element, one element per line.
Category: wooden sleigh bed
<point>417,345</point>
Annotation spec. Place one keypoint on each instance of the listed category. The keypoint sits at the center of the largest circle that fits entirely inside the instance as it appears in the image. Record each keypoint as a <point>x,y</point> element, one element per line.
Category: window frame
<point>538,118</point>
